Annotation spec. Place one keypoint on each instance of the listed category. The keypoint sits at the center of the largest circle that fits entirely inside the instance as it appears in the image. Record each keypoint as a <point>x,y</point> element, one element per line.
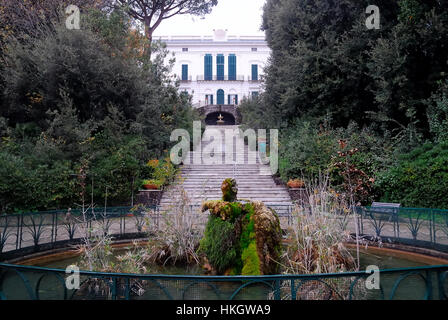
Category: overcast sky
<point>240,17</point>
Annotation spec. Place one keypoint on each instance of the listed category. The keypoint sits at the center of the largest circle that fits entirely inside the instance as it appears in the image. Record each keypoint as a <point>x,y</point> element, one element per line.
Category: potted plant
<point>163,170</point>
<point>151,184</point>
<point>296,183</point>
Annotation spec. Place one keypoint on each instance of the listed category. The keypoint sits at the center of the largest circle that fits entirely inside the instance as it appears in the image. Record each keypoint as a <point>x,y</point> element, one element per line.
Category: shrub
<point>163,171</point>
<point>305,149</point>
<point>308,148</point>
<point>218,244</point>
<point>419,179</point>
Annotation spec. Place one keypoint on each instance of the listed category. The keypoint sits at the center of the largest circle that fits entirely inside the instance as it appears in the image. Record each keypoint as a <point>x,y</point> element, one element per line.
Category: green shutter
<point>185,72</point>
<point>208,67</point>
<point>254,72</point>
<point>220,67</point>
<point>232,67</point>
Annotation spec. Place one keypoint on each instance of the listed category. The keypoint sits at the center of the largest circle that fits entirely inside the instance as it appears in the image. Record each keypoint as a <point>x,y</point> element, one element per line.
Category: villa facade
<point>220,69</point>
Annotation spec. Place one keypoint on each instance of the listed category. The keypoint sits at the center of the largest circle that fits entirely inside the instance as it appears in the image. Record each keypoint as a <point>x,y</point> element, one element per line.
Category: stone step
<point>223,170</point>
<point>216,187</point>
<point>244,174</point>
<point>265,197</point>
<point>203,180</point>
<point>226,175</point>
<point>275,205</point>
<point>219,168</point>
<point>246,188</point>
<point>240,196</point>
<point>218,181</point>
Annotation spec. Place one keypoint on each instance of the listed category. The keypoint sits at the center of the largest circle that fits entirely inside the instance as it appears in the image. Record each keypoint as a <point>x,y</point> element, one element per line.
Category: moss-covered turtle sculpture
<point>241,238</point>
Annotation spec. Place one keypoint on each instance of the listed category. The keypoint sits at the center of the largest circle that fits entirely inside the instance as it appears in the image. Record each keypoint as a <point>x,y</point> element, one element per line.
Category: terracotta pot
<point>150,187</point>
<point>295,184</point>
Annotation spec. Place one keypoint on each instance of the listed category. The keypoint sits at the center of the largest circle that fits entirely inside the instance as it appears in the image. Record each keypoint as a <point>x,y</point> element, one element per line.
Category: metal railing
<point>25,282</point>
<point>187,79</point>
<point>427,228</point>
<point>220,78</point>
<point>420,227</point>
<point>36,231</point>
<point>260,78</point>
<point>32,232</point>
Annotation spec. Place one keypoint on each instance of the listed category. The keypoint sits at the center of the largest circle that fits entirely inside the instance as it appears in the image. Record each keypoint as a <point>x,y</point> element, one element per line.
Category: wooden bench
<point>385,207</point>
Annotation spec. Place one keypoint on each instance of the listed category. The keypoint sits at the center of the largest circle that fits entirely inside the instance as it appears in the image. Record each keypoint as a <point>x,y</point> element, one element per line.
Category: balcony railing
<point>220,78</point>
<point>188,79</point>
<point>258,79</point>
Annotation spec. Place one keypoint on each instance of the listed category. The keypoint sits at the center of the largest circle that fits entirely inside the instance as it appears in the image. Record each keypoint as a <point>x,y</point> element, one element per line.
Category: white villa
<point>219,69</point>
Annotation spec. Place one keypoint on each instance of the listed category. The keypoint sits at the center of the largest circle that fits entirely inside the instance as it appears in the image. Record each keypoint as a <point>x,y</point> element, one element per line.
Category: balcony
<point>258,79</point>
<point>220,78</point>
<point>188,79</point>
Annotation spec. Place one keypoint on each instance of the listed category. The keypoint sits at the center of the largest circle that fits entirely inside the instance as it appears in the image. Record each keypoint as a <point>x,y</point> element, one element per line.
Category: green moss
<point>248,227</point>
<point>230,241</point>
<point>229,190</point>
<point>218,244</point>
<point>236,211</point>
<point>248,244</point>
<point>251,262</point>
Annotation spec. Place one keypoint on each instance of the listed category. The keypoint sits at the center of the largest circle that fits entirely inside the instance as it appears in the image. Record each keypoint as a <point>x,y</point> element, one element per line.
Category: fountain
<point>220,121</point>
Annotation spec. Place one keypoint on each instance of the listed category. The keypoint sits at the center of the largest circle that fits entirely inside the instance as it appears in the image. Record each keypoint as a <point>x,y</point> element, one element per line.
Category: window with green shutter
<point>208,67</point>
<point>208,99</point>
<point>220,97</point>
<point>232,99</point>
<point>220,67</point>
<point>255,72</point>
<point>232,67</point>
<point>185,72</point>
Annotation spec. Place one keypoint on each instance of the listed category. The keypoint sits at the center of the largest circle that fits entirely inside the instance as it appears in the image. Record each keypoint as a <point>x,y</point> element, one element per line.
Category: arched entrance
<point>212,118</point>
<point>220,96</point>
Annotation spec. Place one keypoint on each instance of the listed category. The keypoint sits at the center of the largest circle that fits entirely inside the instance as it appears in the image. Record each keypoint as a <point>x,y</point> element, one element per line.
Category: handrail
<point>223,278</point>
<point>427,228</point>
<point>120,286</point>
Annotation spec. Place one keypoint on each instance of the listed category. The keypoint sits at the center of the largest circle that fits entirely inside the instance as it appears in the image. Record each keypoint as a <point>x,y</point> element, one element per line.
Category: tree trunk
<point>148,33</point>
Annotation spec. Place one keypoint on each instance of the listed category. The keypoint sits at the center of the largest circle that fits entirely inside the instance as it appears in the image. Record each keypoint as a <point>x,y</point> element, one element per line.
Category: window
<point>254,49</point>
<point>254,94</point>
<point>184,49</point>
<point>208,67</point>
<point>255,72</point>
<point>220,67</point>
<point>220,96</point>
<point>232,67</point>
<point>232,99</point>
<point>185,72</point>
<point>208,99</point>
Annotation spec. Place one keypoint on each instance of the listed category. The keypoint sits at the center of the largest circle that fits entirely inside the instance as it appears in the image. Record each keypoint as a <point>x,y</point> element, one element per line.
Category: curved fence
<point>36,231</point>
<point>427,228</point>
<point>26,233</point>
<point>24,282</point>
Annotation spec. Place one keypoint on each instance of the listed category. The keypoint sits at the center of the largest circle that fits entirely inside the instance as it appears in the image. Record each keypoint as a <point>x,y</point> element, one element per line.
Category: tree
<point>28,17</point>
<point>319,58</point>
<point>151,13</point>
